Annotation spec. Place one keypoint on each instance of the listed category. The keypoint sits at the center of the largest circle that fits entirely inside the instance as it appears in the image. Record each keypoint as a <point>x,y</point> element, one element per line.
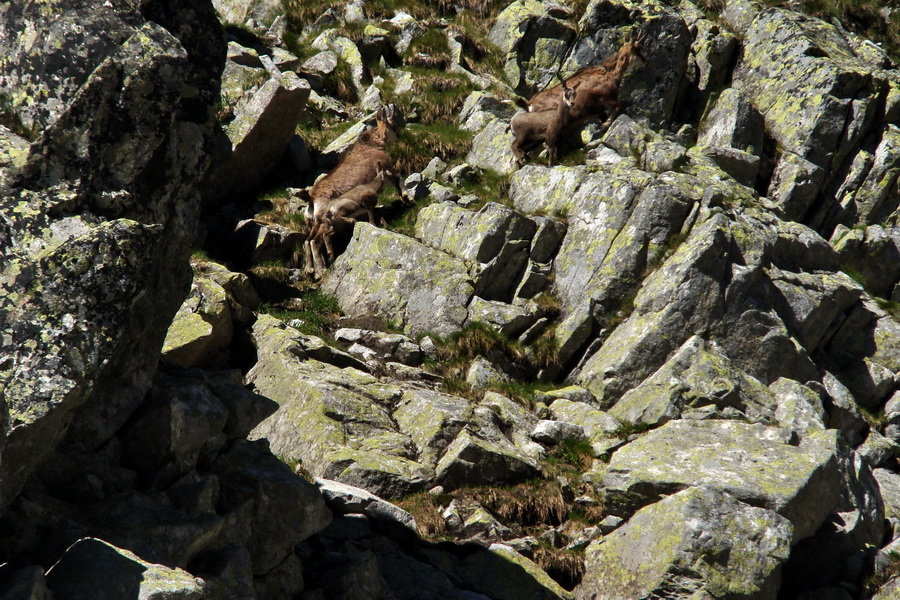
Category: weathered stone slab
<point>421,289</point>
<point>259,135</point>
<point>495,240</point>
<point>92,568</point>
<point>471,460</point>
<point>346,499</point>
<point>807,79</point>
<point>335,420</point>
<point>692,544</point>
<point>491,148</point>
<point>696,376</point>
<point>686,288</point>
<point>754,463</point>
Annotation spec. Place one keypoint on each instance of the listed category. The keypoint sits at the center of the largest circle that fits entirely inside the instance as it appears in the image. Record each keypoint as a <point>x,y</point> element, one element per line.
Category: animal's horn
<point>641,35</point>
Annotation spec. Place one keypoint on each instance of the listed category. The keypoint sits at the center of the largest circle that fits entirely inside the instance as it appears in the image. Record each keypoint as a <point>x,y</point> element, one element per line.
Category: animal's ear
<point>303,194</point>
<point>394,116</point>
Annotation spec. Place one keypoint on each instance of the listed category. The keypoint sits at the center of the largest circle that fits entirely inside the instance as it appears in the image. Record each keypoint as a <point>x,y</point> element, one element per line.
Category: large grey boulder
<point>692,544</point>
<point>432,420</point>
<point>874,253</point>
<point>872,195</point>
<point>667,311</point>
<point>480,108</point>
<point>595,267</point>
<point>602,429</point>
<point>732,122</point>
<point>796,312</point>
<point>795,185</point>
<point>806,483</point>
<point>345,499</point>
<point>201,327</point>
<point>867,345</point>
<point>533,40</point>
<point>421,289</point>
<point>92,230</point>
<point>495,241</point>
<point>273,514</point>
<point>811,82</point>
<point>92,568</point>
<point>494,448</point>
<point>259,136</point>
<point>491,148</point>
<point>696,377</point>
<point>711,54</point>
<point>334,420</point>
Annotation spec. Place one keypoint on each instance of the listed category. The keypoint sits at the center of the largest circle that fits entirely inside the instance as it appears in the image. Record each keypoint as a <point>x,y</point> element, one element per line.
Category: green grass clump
<point>426,509</point>
<point>418,144</point>
<point>489,186</point>
<point>456,353</point>
<point>319,312</point>
<point>300,13</point>
<point>319,133</point>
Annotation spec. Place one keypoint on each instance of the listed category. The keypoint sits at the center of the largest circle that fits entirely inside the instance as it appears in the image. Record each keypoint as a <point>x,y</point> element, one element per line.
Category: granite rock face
<point>667,366</point>
<point>697,546</point>
<point>103,211</point>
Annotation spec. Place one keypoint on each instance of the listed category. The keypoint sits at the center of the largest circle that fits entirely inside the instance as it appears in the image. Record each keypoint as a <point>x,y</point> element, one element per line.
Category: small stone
<point>434,169</point>
<point>610,524</point>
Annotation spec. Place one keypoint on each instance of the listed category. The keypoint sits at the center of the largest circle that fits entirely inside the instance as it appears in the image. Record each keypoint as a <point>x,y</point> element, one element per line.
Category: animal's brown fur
<point>352,204</point>
<point>358,165</point>
<point>531,128</point>
<point>598,85</point>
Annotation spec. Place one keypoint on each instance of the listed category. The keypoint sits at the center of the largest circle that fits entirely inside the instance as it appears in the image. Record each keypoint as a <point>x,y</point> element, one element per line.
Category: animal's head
<point>383,172</point>
<point>389,121</point>
<point>569,93</point>
<point>302,193</point>
<point>633,47</point>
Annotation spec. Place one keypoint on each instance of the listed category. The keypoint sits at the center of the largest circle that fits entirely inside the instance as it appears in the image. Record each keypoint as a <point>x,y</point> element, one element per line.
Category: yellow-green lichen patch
<point>682,542</point>
<point>756,464</point>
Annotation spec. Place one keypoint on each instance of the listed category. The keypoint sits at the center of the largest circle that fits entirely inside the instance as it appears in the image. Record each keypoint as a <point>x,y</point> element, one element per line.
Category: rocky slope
<point>665,368</point>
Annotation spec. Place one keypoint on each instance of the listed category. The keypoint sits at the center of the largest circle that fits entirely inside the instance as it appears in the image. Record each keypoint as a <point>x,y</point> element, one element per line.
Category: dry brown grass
<point>426,509</point>
<point>566,567</point>
<point>524,504</point>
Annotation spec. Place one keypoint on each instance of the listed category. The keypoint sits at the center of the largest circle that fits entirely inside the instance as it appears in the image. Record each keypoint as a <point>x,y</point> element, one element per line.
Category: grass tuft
<point>419,143</point>
<point>319,312</point>
<point>530,503</point>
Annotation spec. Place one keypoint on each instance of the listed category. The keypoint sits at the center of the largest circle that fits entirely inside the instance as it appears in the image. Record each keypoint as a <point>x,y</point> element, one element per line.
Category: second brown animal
<point>598,92</point>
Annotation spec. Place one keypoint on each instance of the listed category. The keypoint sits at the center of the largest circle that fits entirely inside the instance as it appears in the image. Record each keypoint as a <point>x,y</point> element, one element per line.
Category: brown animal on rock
<point>353,204</point>
<point>531,128</point>
<point>599,84</point>
<point>359,164</point>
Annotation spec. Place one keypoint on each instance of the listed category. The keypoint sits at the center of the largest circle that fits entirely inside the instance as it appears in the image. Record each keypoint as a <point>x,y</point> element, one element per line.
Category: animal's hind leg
<point>318,261</point>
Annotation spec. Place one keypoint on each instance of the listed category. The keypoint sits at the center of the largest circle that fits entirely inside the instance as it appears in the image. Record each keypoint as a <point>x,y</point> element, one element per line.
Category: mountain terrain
<point>665,365</point>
